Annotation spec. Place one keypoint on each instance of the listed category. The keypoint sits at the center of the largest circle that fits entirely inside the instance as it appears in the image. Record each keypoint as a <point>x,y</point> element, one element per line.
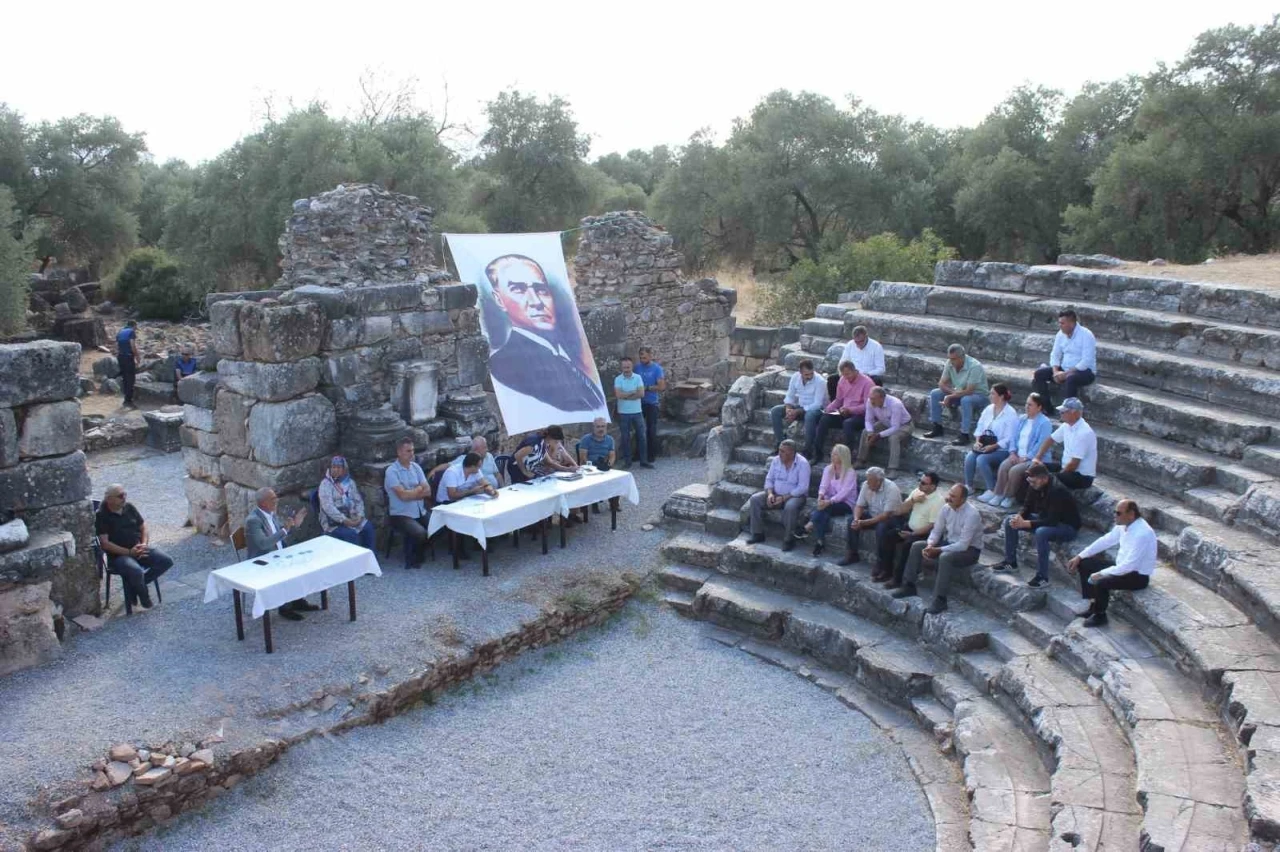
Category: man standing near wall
<point>655,382</point>
<point>628,387</point>
<point>127,357</point>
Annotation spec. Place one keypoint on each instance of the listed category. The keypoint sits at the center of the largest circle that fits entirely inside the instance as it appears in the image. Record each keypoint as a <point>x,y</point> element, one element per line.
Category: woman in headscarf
<point>342,507</point>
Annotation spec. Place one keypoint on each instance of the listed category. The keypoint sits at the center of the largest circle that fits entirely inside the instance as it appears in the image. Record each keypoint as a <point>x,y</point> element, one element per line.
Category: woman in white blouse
<point>994,438</point>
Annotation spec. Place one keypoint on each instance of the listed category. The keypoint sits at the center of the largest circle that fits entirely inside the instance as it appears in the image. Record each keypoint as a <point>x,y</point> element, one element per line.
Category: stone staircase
<point>1161,730</point>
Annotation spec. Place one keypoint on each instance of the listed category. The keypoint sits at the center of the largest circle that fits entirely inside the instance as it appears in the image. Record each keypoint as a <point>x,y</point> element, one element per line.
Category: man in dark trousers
<point>534,361</point>
<point>123,535</point>
<point>1132,568</point>
<point>264,533</point>
<point>655,382</point>
<point>1050,514</point>
<point>127,357</point>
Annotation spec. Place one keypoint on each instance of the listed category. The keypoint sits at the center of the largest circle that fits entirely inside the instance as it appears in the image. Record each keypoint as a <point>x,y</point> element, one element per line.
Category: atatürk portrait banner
<point>541,365</point>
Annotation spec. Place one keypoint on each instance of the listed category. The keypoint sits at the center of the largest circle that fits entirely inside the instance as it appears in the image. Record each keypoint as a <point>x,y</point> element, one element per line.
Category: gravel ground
<point>642,734</point>
<point>177,671</point>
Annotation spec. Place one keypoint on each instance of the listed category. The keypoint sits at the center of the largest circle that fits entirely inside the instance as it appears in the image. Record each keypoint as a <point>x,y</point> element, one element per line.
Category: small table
<point>294,572</point>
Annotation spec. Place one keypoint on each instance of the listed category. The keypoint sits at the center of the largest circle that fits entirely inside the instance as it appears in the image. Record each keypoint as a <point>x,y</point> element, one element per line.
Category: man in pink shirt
<point>887,420</point>
<point>848,410</point>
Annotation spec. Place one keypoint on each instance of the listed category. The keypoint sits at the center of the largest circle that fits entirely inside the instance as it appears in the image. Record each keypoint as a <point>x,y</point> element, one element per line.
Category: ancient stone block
<point>205,442</point>
<point>385,297</point>
<point>420,323</point>
<point>280,333</point>
<point>239,503</point>
<point>270,381</point>
<point>343,333</point>
<point>284,433</point>
<point>293,477</point>
<point>720,443</point>
<point>897,297</point>
<point>224,322</point>
<point>473,360</point>
<point>8,438</point>
<point>44,482</point>
<point>231,416</point>
<point>201,466</point>
<point>206,506</point>
<point>199,418</point>
<point>199,389</point>
<point>457,296</point>
<point>333,301</point>
<point>44,555</point>
<point>162,430</point>
<point>75,587</point>
<point>153,393</point>
<point>13,535</point>
<point>40,371</point>
<point>415,390</point>
<point>28,638</point>
<point>50,429</point>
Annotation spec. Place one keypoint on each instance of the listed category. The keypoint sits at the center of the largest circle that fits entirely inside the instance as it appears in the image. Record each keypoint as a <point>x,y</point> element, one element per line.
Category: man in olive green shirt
<point>963,385</point>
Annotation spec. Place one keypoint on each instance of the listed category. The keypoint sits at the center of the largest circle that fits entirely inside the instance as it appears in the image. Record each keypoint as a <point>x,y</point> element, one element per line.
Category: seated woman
<point>342,507</point>
<point>993,438</point>
<point>549,456</point>
<point>1031,431</point>
<point>837,493</point>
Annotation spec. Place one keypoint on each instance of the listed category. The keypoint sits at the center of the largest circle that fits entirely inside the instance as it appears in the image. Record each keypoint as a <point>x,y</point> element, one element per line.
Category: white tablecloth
<point>527,503</point>
<point>294,572</point>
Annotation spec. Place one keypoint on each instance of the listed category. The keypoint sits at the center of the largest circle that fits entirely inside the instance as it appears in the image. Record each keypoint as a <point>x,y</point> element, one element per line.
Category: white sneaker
<point>1006,503</point>
<point>986,497</point>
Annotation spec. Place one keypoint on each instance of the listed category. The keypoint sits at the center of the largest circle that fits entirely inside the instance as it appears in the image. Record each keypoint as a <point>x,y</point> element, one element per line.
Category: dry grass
<point>1261,271</point>
<point>744,281</point>
<point>447,632</point>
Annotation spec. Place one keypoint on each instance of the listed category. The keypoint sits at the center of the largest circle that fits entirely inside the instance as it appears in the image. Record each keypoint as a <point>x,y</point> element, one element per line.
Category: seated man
<point>488,467</point>
<point>887,419</point>
<point>342,508</point>
<point>463,480</point>
<point>1050,514</point>
<point>596,448</point>
<point>914,521</point>
<point>786,487</point>
<point>1079,447</point>
<point>1072,363</point>
<point>406,486</point>
<point>878,502</point>
<point>848,409</point>
<point>806,396</point>
<point>264,533</point>
<point>1132,568</point>
<point>186,365</point>
<point>124,536</point>
<point>963,385</point>
<point>956,542</point>
<point>865,354</point>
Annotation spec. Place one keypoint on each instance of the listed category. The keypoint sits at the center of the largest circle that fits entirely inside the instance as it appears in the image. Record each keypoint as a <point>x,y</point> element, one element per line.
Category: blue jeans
<point>821,519</point>
<point>362,537</point>
<point>811,419</point>
<point>636,422</point>
<point>969,406</point>
<point>1044,537</point>
<point>988,463</point>
<point>135,573</point>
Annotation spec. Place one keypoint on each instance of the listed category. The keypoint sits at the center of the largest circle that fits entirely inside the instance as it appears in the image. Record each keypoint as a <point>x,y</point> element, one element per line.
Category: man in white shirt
<point>1072,363</point>
<point>1079,447</point>
<point>488,467</point>
<point>1132,568</point>
<point>956,542</point>
<point>264,534</point>
<point>806,397</point>
<point>866,354</point>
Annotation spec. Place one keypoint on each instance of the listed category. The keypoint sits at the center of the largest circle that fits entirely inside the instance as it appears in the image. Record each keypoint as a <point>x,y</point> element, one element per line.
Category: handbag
<point>987,438</point>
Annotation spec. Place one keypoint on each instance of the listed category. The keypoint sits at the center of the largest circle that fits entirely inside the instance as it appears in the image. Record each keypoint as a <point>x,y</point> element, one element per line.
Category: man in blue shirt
<point>186,365</point>
<point>596,447</point>
<point>1072,363</point>
<point>127,357</point>
<point>628,388</point>
<point>655,382</point>
<point>406,487</point>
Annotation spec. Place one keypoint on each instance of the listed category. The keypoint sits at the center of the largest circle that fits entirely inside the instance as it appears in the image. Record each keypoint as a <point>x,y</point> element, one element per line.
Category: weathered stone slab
<point>40,371</point>
<point>163,430</point>
<point>202,466</point>
<point>206,507</point>
<point>45,482</point>
<point>422,323</point>
<point>75,586</point>
<point>50,429</point>
<point>8,438</point>
<point>43,556</point>
<point>199,389</point>
<point>385,297</point>
<point>293,477</point>
<point>1234,304</point>
<point>332,301</point>
<point>28,638</point>
<point>284,433</point>
<point>279,333</point>
<point>224,322</point>
<point>231,416</point>
<point>200,418</point>
<point>205,442</point>
<point>898,297</point>
<point>13,535</point>
<point>272,382</point>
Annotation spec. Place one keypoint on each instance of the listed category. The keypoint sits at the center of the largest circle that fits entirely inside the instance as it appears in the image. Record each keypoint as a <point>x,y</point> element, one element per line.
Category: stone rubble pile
<point>59,306</point>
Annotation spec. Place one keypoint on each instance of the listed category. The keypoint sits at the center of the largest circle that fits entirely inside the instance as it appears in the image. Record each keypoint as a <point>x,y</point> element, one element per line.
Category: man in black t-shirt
<point>124,536</point>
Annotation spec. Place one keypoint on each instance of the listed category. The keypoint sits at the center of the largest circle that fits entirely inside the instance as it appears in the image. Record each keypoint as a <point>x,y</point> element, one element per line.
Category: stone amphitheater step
<point>1245,345</point>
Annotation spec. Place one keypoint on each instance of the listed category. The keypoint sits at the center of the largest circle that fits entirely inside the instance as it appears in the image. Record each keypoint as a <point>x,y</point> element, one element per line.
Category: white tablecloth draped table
<point>294,572</point>
<point>527,503</point>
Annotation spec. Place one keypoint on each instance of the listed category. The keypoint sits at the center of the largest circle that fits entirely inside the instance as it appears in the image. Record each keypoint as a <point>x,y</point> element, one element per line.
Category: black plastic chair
<point>392,532</point>
<point>104,571</point>
<point>504,463</point>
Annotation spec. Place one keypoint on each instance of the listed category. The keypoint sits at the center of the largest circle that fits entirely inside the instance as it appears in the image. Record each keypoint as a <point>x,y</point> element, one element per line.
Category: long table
<point>529,504</point>
<point>291,573</point>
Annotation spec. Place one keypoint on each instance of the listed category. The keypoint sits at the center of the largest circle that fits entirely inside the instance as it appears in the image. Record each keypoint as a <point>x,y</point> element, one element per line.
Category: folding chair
<point>104,571</point>
<point>239,544</point>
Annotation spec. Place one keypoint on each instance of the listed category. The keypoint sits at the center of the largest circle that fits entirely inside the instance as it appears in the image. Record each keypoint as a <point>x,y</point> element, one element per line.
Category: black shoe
<point>850,558</point>
<point>936,432</point>
<point>961,441</point>
<point>818,548</point>
<point>938,605</point>
<point>1096,620</point>
<point>892,584</point>
<point>144,601</point>
<point>789,544</point>
<point>647,464</point>
<point>906,590</point>
<point>290,614</point>
<point>1005,566</point>
<point>1037,582</point>
<point>306,606</point>
<point>758,538</point>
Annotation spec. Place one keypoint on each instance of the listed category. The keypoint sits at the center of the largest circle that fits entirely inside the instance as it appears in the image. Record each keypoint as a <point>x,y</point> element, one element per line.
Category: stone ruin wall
<point>46,519</point>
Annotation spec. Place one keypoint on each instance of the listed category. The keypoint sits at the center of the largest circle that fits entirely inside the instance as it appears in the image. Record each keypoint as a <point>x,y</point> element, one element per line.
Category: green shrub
<point>15,265</point>
<point>852,266</point>
<point>151,283</point>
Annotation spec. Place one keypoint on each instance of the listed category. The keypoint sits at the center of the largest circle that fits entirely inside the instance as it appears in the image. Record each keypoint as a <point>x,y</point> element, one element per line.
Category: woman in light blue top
<point>993,437</point>
<point>1033,427</point>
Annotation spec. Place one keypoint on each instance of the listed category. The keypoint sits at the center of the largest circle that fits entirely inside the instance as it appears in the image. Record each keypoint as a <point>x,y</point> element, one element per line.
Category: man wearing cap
<point>1079,447</point>
<point>1049,514</point>
<point>1132,568</point>
<point>1072,363</point>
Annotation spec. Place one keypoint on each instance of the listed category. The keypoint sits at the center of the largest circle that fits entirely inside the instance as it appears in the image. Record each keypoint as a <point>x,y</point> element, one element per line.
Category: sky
<point>195,77</point>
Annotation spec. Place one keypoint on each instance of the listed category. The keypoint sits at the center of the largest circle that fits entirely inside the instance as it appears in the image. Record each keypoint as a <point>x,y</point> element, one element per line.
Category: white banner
<point>539,360</point>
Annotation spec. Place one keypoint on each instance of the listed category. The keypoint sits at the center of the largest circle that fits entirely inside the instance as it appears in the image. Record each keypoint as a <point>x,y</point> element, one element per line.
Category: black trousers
<point>1042,383</point>
<point>128,376</point>
<point>1073,479</point>
<point>902,550</point>
<point>1100,592</point>
<point>650,412</point>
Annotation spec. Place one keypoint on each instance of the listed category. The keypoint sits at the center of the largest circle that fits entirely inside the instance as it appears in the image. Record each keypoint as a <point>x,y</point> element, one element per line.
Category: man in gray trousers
<point>786,487</point>
<point>956,542</point>
<point>264,533</point>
